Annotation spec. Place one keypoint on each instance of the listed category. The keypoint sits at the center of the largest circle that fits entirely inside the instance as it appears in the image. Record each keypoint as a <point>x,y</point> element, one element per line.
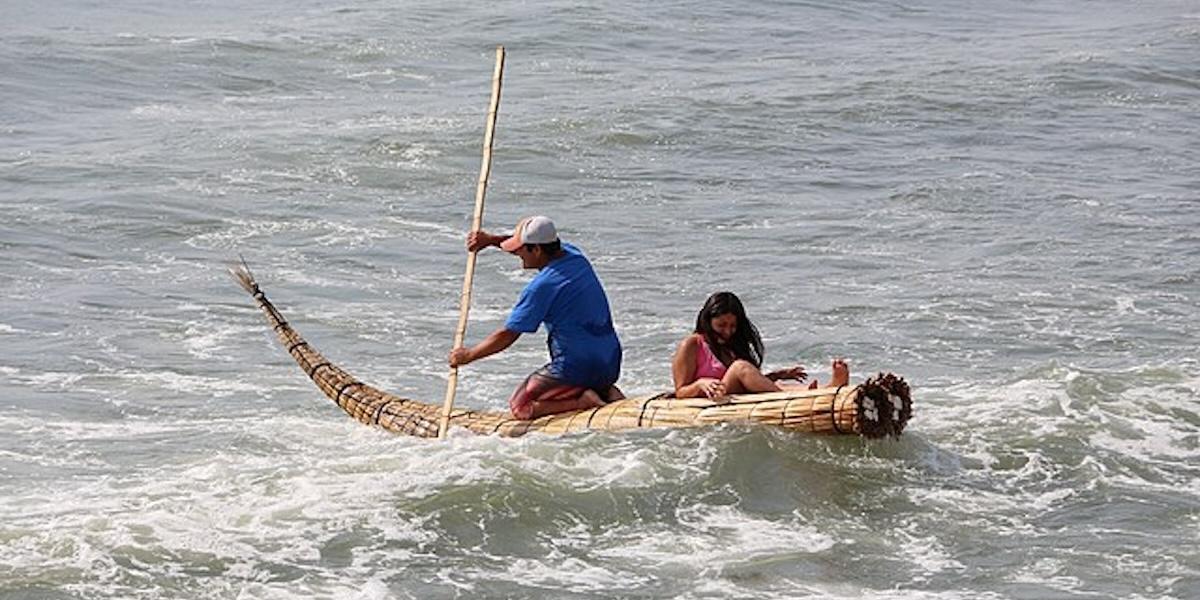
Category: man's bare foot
<point>841,373</point>
<point>614,394</point>
<point>590,399</point>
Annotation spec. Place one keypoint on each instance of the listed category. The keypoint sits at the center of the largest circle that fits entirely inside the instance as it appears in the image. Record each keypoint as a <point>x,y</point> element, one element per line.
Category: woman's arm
<point>796,372</point>
<point>683,368</point>
<point>683,371</point>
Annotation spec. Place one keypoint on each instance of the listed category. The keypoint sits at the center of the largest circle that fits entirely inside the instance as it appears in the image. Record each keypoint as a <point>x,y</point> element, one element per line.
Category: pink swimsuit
<point>707,364</point>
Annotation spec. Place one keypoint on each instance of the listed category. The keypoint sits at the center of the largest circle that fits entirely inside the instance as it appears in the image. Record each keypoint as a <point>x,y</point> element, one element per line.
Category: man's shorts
<point>541,386</point>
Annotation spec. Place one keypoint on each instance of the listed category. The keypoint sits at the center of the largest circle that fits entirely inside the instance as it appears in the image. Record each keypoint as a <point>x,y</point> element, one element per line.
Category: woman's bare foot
<point>841,373</point>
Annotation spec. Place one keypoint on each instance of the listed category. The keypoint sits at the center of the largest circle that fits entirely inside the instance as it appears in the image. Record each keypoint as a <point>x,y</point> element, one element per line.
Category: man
<point>566,295</point>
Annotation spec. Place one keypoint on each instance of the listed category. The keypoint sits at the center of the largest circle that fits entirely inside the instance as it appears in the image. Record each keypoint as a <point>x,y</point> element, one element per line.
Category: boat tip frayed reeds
<point>240,271</point>
<point>884,404</point>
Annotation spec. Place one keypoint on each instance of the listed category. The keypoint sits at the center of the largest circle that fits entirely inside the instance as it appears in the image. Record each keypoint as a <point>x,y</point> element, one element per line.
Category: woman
<point>724,355</point>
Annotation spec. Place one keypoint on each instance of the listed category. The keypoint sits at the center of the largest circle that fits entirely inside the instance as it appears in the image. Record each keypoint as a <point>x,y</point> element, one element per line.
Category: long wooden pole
<point>476,224</point>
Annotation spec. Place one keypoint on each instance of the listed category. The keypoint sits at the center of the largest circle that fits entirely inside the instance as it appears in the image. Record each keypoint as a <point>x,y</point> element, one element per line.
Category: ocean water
<point>999,201</point>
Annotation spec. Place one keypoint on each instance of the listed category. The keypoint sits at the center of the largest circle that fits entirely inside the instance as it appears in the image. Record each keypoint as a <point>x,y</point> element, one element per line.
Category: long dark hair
<point>745,344</point>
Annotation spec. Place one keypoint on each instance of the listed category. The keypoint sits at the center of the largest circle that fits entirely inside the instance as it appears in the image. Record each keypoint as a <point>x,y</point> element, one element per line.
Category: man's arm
<point>498,341</point>
<point>478,240</point>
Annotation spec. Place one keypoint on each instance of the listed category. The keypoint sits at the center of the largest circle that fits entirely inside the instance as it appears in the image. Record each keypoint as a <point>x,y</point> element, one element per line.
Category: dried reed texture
<point>880,406</point>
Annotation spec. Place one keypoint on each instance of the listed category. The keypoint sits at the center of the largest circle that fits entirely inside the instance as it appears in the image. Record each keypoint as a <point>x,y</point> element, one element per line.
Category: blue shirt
<point>567,296</point>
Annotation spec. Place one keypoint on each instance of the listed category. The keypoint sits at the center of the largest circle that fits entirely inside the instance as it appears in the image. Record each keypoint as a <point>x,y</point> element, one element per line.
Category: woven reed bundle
<point>880,406</point>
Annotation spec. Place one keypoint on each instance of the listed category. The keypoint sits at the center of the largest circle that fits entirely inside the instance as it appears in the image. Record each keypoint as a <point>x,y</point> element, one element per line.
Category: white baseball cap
<point>531,230</point>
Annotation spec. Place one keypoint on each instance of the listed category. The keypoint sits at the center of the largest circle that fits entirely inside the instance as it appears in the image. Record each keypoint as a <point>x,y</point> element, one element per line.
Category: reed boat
<point>878,407</point>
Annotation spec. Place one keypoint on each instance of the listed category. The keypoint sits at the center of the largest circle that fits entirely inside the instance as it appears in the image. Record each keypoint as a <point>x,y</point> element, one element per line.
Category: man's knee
<point>520,404</point>
<point>522,411</point>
